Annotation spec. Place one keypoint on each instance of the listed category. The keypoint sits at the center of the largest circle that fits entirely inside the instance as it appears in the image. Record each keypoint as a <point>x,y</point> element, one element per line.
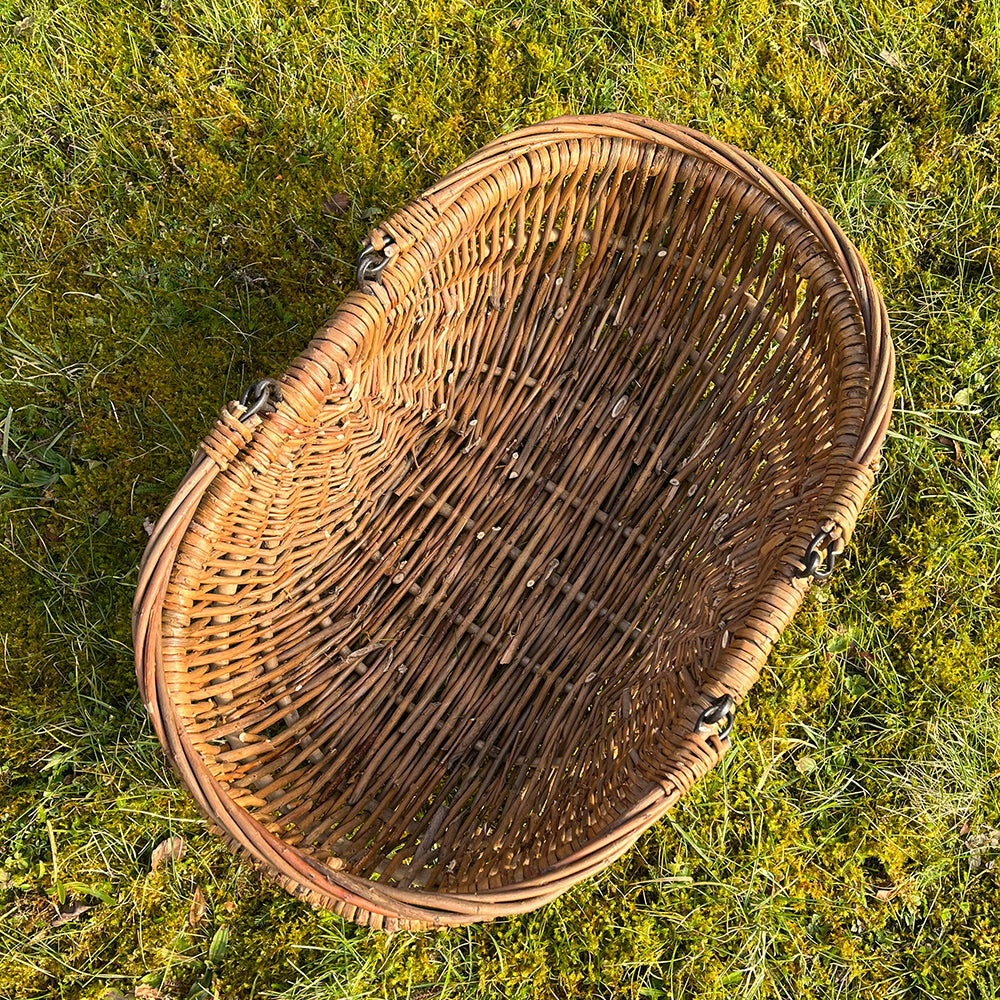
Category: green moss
<point>162,243</point>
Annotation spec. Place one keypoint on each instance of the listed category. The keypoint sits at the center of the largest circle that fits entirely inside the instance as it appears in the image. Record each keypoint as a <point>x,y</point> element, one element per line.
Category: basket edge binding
<point>339,341</point>
<point>403,228</point>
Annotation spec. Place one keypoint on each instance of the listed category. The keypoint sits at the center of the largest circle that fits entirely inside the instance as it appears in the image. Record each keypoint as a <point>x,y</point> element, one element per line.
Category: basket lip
<point>422,221</point>
<point>333,351</point>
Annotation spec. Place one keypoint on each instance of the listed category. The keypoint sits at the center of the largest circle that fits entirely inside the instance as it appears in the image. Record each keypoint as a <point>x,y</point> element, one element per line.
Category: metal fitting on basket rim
<point>257,395</point>
<point>813,558</point>
<point>371,262</point>
<point>721,712</point>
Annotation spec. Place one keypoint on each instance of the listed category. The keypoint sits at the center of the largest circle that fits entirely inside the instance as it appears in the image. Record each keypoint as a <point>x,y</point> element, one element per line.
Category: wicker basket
<point>439,623</point>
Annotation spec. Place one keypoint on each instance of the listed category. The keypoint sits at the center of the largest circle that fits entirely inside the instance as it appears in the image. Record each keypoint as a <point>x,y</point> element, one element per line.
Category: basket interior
<point>455,628</point>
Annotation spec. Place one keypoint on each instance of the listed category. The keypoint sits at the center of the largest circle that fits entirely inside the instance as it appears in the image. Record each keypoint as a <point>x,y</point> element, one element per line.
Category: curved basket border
<point>387,907</point>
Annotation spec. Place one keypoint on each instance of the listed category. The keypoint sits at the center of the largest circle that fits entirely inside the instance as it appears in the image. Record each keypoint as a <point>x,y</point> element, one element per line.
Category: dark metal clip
<point>257,395</point>
<point>371,262</point>
<point>720,712</point>
<point>813,558</point>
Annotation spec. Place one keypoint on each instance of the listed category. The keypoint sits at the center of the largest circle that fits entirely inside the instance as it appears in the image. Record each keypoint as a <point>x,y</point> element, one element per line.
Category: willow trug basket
<point>443,619</point>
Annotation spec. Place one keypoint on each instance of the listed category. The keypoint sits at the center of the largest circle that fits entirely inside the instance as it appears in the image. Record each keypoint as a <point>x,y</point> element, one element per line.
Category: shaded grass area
<point>183,188</point>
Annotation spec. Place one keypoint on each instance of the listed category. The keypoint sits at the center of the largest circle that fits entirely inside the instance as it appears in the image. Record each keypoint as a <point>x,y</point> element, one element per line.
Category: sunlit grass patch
<point>163,242</point>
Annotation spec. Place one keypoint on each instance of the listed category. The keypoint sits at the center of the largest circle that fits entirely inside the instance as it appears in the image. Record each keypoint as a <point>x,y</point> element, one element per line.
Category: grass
<point>163,169</point>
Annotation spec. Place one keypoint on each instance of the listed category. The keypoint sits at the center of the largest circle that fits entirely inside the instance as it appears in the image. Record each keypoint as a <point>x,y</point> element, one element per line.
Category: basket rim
<point>415,221</point>
<point>419,226</point>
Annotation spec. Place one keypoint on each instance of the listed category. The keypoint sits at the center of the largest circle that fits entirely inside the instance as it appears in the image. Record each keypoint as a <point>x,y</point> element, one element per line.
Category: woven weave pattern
<point>430,638</point>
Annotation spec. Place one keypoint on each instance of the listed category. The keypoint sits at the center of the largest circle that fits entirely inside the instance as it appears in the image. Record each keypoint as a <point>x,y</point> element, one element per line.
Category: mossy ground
<point>163,241</point>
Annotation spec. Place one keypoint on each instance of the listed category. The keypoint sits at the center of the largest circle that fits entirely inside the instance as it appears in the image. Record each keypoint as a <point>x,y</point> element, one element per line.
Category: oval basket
<point>439,623</point>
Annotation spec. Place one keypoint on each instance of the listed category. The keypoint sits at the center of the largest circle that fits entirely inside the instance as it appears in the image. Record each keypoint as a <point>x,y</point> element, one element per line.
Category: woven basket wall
<point>438,626</point>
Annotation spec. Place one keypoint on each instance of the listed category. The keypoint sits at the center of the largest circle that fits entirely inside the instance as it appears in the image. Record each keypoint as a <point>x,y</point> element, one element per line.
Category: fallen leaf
<point>249,277</point>
<point>71,913</point>
<point>229,906</point>
<point>198,906</point>
<point>173,848</point>
<point>979,845</point>
<point>336,206</point>
<point>892,59</point>
<point>144,992</point>
<point>148,525</point>
<point>819,45</point>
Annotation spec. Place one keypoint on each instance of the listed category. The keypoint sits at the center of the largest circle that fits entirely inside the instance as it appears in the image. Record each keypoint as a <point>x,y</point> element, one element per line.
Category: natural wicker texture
<point>430,639</point>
